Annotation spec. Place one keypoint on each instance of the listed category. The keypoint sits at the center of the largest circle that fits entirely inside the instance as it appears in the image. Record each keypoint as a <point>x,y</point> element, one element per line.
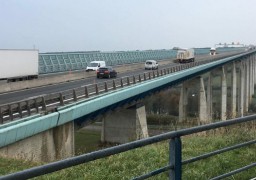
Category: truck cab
<point>95,65</point>
<point>213,51</point>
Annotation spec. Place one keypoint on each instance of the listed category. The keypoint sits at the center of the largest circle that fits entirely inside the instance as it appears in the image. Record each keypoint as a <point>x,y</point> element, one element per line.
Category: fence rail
<point>175,153</point>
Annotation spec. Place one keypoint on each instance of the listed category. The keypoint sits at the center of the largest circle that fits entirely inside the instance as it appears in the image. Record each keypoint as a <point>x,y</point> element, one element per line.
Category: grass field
<point>139,161</point>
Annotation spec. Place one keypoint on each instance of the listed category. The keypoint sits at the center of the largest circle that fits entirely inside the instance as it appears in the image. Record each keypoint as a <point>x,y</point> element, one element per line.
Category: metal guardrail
<point>175,153</point>
<point>48,103</point>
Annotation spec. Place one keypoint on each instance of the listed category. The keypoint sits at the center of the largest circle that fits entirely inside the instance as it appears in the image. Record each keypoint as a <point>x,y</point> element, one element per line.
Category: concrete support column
<point>223,95</point>
<point>203,117</point>
<point>254,66</point>
<point>50,145</point>
<point>252,75</point>
<point>183,102</point>
<point>246,105</point>
<point>125,125</point>
<point>209,97</point>
<point>233,91</point>
<point>241,91</point>
<point>252,78</point>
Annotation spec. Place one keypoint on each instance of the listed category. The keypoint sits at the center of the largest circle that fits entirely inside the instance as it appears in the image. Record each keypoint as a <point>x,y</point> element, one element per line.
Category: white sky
<point>116,25</point>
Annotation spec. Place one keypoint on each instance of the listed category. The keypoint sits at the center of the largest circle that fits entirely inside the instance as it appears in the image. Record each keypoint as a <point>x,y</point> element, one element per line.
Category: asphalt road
<point>6,98</point>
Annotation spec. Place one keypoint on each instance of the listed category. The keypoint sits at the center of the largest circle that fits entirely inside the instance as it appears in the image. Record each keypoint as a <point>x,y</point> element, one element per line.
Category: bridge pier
<point>223,94</point>
<point>183,102</point>
<point>241,90</point>
<point>50,145</point>
<point>233,90</point>
<point>247,86</point>
<point>125,125</point>
<point>203,117</point>
<point>209,97</point>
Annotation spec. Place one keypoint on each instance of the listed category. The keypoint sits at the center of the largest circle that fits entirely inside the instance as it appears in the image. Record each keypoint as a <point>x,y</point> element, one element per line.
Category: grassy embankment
<point>136,162</point>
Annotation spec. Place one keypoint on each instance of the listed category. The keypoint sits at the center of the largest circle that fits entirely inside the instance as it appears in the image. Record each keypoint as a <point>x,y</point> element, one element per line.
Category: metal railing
<point>48,103</point>
<point>175,153</point>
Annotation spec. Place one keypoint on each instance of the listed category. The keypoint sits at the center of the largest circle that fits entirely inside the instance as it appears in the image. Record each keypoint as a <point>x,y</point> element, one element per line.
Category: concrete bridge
<point>50,135</point>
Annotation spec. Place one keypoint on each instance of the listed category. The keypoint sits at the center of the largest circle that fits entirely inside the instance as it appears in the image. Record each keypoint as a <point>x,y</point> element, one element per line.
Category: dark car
<point>107,72</point>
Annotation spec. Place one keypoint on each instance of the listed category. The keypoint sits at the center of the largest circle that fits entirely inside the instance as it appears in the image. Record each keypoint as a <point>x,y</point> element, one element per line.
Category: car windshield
<point>93,64</point>
<point>148,62</point>
<point>103,69</point>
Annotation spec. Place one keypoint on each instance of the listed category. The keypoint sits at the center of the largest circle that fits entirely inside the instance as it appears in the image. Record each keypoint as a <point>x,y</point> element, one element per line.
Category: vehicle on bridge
<point>213,51</point>
<point>151,64</point>
<point>18,65</point>
<point>185,55</point>
<point>107,72</point>
<point>95,65</point>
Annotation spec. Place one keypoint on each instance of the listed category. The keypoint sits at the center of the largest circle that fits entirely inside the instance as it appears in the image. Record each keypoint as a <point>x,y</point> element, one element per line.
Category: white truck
<point>185,55</point>
<point>18,65</point>
<point>94,65</point>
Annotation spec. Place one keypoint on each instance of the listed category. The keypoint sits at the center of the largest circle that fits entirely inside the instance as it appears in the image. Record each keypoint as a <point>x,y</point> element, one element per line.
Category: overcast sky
<point>116,25</point>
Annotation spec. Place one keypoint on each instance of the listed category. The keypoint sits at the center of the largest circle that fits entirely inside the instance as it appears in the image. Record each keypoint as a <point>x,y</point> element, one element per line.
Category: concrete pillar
<point>252,75</point>
<point>50,145</point>
<point>223,95</point>
<point>251,78</point>
<point>125,125</point>
<point>233,91</point>
<point>246,105</point>
<point>209,97</point>
<point>241,91</point>
<point>203,117</point>
<point>183,102</point>
<point>254,65</point>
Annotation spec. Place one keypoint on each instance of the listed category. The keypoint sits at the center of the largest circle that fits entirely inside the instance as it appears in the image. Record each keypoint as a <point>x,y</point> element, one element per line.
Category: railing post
<point>114,84</point>
<point>139,78</point>
<point>134,80</point>
<point>1,116</point>
<point>86,92</point>
<point>154,74</point>
<point>10,111</point>
<point>149,75</point>
<point>157,73</point>
<point>121,81</point>
<point>161,72</point>
<point>106,86</point>
<point>128,81</point>
<point>43,104</point>
<point>96,89</point>
<point>74,95</point>
<point>19,109</point>
<point>164,71</point>
<point>145,78</point>
<point>168,70</point>
<point>36,106</point>
<point>28,108</point>
<point>175,158</point>
<point>61,100</point>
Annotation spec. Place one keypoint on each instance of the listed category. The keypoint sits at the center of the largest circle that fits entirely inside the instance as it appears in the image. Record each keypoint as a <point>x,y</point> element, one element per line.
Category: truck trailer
<point>185,55</point>
<point>18,65</point>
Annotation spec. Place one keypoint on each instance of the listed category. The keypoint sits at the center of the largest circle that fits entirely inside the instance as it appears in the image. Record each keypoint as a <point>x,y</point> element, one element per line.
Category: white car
<point>151,64</point>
